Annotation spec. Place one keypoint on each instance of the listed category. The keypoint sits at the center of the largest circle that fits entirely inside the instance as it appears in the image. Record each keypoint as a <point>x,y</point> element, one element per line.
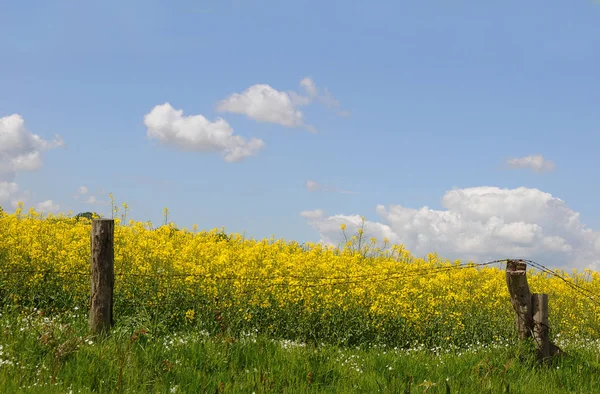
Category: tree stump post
<point>103,276</point>
<point>520,296</point>
<point>539,303</point>
<point>531,310</point>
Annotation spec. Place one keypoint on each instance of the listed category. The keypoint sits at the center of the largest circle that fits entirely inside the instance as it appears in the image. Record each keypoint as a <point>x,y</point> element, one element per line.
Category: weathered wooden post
<point>539,304</point>
<point>103,275</point>
<point>520,296</point>
<point>531,310</point>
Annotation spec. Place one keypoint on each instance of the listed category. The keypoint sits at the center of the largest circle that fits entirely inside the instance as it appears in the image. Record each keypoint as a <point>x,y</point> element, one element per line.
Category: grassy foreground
<point>39,354</point>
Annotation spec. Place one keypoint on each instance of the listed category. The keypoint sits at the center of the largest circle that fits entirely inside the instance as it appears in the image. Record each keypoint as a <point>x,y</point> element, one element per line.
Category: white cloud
<point>313,186</point>
<point>309,85</point>
<point>20,150</point>
<point>331,233</point>
<point>536,163</point>
<point>47,206</point>
<point>316,214</point>
<point>325,98</point>
<point>83,190</point>
<point>196,133</point>
<point>264,103</point>
<point>9,193</point>
<point>481,224</point>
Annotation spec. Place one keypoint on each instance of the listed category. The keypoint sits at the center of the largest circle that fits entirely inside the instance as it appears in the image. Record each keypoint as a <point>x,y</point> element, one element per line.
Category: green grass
<point>40,354</point>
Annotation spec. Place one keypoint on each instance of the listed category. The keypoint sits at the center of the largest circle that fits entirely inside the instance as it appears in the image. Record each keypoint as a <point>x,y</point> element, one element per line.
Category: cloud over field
<point>196,133</point>
<point>480,223</point>
<point>8,192</point>
<point>47,207</point>
<point>20,151</point>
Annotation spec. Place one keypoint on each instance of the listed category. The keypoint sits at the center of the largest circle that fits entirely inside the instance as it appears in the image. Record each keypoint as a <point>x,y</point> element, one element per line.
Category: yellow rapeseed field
<point>377,293</point>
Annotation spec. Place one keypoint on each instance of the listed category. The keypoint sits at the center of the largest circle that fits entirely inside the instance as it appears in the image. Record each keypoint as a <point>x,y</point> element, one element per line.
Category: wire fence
<point>220,300</point>
<point>386,276</point>
<point>392,303</point>
<point>307,281</point>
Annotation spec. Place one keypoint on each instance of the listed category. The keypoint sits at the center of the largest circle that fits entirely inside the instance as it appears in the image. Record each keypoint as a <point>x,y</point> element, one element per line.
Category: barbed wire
<point>585,292</point>
<point>303,281</point>
<point>385,275</point>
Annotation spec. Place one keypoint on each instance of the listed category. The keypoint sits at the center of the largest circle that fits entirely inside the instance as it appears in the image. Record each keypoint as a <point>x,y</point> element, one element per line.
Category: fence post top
<point>516,265</point>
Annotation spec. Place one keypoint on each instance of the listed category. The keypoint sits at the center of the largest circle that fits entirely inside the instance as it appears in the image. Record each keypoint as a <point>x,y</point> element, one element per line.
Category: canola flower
<point>359,292</point>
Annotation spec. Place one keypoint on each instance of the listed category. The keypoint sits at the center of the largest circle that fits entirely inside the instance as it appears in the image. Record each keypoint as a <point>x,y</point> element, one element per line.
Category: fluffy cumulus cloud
<point>196,133</point>
<point>264,103</point>
<point>536,163</point>
<point>331,233</point>
<point>20,150</point>
<point>47,207</point>
<point>8,193</point>
<point>481,224</point>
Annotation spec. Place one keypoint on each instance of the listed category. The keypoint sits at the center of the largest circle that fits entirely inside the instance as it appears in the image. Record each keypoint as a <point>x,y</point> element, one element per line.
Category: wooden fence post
<point>539,304</point>
<point>531,310</point>
<point>520,296</point>
<point>103,275</point>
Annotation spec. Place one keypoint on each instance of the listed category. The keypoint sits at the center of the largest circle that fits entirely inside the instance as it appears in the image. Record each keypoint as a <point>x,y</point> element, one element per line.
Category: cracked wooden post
<point>539,304</point>
<point>520,296</point>
<point>103,275</point>
<point>531,310</point>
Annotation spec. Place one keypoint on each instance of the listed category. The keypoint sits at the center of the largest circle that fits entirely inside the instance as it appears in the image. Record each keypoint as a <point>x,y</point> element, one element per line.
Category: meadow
<point>208,311</point>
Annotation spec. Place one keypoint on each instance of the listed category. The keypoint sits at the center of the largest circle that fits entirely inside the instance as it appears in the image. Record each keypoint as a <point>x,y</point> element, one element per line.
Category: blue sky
<point>409,101</point>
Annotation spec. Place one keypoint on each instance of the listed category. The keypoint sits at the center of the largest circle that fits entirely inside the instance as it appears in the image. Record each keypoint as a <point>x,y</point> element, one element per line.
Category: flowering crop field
<point>209,280</point>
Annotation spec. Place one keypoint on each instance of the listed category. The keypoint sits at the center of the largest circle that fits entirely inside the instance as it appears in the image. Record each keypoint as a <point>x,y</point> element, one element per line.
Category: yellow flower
<point>189,314</point>
<point>272,278</point>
